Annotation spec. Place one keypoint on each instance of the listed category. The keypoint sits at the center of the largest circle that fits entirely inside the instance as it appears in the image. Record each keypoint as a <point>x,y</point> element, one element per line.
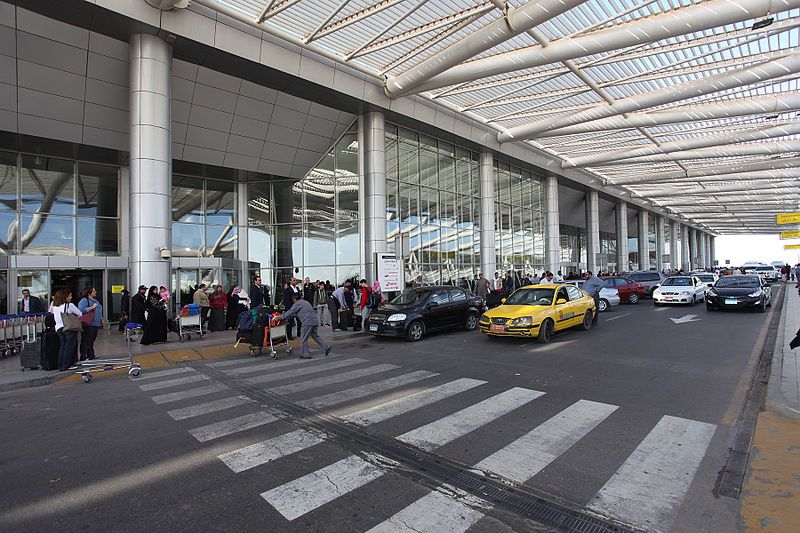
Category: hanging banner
<point>390,272</point>
<point>790,235</point>
<point>791,246</point>
<point>787,218</point>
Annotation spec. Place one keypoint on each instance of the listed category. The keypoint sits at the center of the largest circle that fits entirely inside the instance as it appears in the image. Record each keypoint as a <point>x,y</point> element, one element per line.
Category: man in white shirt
<point>497,282</point>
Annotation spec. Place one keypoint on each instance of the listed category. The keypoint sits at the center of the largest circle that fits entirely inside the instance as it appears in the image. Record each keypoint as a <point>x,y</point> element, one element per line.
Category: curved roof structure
<point>691,105</point>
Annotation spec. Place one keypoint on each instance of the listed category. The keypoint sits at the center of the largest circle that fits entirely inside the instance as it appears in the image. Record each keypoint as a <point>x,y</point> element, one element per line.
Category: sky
<point>746,248</point>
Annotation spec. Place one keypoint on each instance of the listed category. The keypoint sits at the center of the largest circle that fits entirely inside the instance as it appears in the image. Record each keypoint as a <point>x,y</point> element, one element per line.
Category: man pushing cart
<point>303,311</point>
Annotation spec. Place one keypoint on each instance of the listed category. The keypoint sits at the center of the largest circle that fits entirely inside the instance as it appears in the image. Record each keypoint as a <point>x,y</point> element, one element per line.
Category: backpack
<point>374,300</point>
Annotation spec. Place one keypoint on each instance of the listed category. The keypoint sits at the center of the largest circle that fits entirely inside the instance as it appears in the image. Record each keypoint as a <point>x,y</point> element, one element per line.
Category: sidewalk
<point>214,345</point>
<point>783,395</point>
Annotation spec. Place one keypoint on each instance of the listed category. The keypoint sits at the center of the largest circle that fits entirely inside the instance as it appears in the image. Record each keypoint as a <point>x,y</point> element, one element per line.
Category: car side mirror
<point>561,301</point>
<point>502,300</point>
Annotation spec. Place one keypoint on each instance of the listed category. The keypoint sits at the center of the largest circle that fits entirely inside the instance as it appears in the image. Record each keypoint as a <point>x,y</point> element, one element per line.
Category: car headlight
<point>755,294</point>
<point>656,292</point>
<point>711,292</point>
<point>684,293</point>
<point>397,317</point>
<point>484,318</point>
<point>522,321</point>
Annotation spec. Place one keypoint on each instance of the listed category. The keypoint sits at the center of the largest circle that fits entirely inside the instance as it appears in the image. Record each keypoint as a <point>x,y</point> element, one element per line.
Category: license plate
<point>497,329</point>
<point>373,327</point>
<point>668,298</point>
<point>731,301</point>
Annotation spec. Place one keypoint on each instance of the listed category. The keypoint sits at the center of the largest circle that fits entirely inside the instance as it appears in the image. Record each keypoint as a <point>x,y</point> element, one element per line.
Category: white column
<point>374,180</point>
<point>712,252</point>
<point>150,159</point>
<point>243,239</point>
<point>644,240</point>
<point>592,231</point>
<point>660,243</point>
<point>486,179</point>
<point>701,247</point>
<point>552,247</point>
<point>674,250</point>
<point>621,216</point>
<point>685,251</point>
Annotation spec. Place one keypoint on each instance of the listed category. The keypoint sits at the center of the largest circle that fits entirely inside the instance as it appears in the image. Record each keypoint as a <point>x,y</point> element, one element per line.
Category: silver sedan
<point>609,296</point>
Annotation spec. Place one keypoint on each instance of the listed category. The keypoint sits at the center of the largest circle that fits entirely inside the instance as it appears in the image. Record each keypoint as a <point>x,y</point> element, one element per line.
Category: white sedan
<point>609,296</point>
<point>680,290</point>
<point>709,278</point>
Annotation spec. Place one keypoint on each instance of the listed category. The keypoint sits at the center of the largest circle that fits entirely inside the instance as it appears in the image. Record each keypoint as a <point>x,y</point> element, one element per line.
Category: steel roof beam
<point>502,29</point>
<point>716,170</point>
<point>767,175</point>
<point>731,150</point>
<point>748,188</point>
<point>667,95</point>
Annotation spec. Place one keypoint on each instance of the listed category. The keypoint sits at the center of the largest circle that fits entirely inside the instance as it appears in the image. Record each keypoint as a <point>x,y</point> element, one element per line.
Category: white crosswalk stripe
<point>164,373</point>
<point>234,425</point>
<point>335,398</point>
<point>390,409</point>
<point>208,407</point>
<point>234,362</point>
<point>270,450</point>
<point>451,427</point>
<point>267,367</point>
<point>650,485</point>
<point>529,454</point>
<point>191,393</point>
<point>298,497</point>
<point>435,513</point>
<point>330,380</point>
<point>194,378</point>
<point>298,372</point>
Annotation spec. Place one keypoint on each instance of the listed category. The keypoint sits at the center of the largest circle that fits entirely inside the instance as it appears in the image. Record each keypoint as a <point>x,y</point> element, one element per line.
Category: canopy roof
<point>693,106</point>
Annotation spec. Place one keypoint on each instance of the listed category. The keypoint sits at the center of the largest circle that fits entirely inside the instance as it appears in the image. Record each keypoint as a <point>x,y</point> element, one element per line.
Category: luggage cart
<point>86,368</point>
<point>190,322</point>
<point>11,331</point>
<point>30,353</point>
<point>278,337</point>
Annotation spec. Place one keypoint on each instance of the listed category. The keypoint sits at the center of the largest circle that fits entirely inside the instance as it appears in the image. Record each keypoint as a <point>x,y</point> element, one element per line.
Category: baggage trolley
<point>278,337</point>
<point>12,334</point>
<point>86,368</point>
<point>190,321</point>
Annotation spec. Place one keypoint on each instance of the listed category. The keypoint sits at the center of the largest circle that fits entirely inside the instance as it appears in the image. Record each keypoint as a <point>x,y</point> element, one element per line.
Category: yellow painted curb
<point>147,360</point>
<point>221,352</point>
<point>180,356</point>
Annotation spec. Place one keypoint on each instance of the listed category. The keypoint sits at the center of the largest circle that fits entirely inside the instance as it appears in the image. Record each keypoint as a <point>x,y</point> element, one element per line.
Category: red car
<point>629,291</point>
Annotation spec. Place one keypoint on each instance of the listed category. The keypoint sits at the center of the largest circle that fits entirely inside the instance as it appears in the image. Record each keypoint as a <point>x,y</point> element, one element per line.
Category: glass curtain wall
<point>573,249</point>
<point>203,217</point>
<point>432,205</point>
<point>651,243</point>
<point>519,229</point>
<point>309,227</point>
<point>608,246</point>
<point>51,206</point>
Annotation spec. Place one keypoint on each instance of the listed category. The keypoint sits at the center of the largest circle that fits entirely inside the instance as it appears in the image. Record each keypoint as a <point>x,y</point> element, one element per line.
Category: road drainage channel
<point>433,468</point>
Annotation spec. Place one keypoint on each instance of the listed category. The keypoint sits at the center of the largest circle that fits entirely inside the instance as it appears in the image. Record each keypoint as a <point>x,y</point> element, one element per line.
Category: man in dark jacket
<point>288,302</point>
<point>308,290</point>
<point>138,306</point>
<point>256,293</point>
<point>30,304</point>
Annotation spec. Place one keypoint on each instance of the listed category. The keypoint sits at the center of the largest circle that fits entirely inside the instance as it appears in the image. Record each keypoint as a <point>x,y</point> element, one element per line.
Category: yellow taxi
<point>539,311</point>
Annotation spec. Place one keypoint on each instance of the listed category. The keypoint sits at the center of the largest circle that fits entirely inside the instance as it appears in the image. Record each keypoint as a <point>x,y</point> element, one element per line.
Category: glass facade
<point>651,243</point>
<point>51,206</point>
<point>203,217</point>
<point>573,249</point>
<point>608,246</point>
<point>519,230</point>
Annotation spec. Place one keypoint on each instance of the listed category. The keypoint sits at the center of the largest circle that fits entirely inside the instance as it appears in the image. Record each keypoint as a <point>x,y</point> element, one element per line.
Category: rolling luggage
<point>31,355</point>
<point>357,322</point>
<point>49,352</point>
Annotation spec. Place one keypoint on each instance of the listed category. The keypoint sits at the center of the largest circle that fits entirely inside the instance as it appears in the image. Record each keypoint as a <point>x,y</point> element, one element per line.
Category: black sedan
<point>739,292</point>
<point>417,311</point>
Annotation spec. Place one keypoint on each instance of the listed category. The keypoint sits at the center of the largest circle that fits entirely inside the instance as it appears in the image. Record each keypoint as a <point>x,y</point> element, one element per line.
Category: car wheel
<point>587,320</point>
<point>415,331</point>
<point>656,304</point>
<point>602,306</point>
<point>471,322</point>
<point>633,298</point>
<point>546,331</point>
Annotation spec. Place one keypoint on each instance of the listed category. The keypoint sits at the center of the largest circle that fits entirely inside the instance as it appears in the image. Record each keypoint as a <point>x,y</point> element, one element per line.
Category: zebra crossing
<point>646,490</point>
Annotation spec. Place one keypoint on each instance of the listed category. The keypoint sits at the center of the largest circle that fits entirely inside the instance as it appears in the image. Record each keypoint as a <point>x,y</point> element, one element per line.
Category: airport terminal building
<point>147,142</point>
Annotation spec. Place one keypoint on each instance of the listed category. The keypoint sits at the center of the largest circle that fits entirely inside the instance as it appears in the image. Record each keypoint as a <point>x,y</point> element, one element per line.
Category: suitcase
<point>31,355</point>
<point>49,352</point>
<point>259,338</point>
<point>357,323</point>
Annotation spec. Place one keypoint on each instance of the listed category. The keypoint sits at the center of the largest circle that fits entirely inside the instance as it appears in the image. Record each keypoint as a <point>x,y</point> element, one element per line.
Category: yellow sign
<point>787,218</point>
<point>791,246</point>
<point>117,289</point>
<point>790,235</point>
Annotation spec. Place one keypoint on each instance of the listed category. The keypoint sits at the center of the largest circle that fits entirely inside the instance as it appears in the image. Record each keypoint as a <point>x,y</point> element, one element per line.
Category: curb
<point>35,382</point>
<point>776,400</point>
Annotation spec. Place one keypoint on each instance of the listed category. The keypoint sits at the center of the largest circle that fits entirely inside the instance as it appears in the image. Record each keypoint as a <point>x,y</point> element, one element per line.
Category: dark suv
<point>649,278</point>
<point>417,311</point>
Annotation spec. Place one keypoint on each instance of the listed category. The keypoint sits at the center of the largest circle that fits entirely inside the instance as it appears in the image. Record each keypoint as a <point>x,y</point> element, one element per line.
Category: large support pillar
<point>150,160</point>
<point>702,247</point>
<point>712,252</point>
<point>674,249</point>
<point>685,252</point>
<point>552,248</point>
<point>621,219</point>
<point>593,231</point>
<point>487,179</point>
<point>694,255</point>
<point>644,240</point>
<point>660,243</point>
<point>373,153</point>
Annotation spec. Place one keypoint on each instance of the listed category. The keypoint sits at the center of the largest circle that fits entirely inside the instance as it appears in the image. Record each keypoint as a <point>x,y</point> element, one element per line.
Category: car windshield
<point>705,277</point>
<point>677,282</point>
<point>411,296</point>
<point>736,282</point>
<point>765,269</point>
<point>531,297</point>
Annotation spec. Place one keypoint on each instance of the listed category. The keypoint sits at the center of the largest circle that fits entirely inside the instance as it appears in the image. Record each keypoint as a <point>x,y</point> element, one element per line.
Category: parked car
<point>739,292</point>
<point>709,278</point>
<point>629,291</point>
<point>609,296</point>
<point>680,290</point>
<point>767,273</point>
<point>649,278</point>
<point>417,311</point>
<point>539,311</point>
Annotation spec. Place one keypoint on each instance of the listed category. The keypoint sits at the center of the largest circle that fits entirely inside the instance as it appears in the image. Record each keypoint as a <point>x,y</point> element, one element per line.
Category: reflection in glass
<point>36,281</point>
<point>288,204</point>
<point>289,245</point>
<point>97,190</point>
<point>98,236</point>
<point>347,243</point>
<point>4,292</point>
<point>47,235</point>
<point>260,246</point>
<point>258,204</point>
<point>221,241</point>
<point>187,240</point>
<point>10,233</point>
<point>319,190</point>
<point>8,181</point>
<point>220,202</point>
<point>46,185</point>
<point>187,199</point>
<point>319,245</point>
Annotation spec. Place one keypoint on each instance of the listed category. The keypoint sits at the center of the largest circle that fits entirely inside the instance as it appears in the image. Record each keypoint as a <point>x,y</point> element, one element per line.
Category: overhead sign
<point>117,289</point>
<point>787,218</point>
<point>790,235</point>
<point>791,246</point>
<point>390,272</point>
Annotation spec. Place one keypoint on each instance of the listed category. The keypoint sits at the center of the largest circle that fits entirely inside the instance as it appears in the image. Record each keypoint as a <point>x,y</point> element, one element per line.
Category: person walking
<point>218,301</point>
<point>288,301</point>
<point>320,302</point>
<point>139,305</point>
<point>89,305</point>
<point>302,311</point>
<point>482,286</point>
<point>67,333</point>
<point>592,286</point>
<point>30,304</point>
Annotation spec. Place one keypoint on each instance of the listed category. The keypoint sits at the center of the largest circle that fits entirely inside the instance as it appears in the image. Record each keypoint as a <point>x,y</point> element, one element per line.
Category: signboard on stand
<point>787,218</point>
<point>390,272</point>
<point>790,235</point>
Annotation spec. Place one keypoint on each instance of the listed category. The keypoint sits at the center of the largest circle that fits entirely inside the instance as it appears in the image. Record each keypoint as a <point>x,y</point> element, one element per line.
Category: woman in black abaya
<point>155,328</point>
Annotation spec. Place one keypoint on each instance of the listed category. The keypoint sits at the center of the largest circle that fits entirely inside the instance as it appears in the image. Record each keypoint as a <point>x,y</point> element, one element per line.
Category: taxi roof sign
<point>787,218</point>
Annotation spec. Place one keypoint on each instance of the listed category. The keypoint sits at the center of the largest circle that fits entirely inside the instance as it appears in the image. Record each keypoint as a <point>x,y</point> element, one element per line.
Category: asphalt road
<point>630,421</point>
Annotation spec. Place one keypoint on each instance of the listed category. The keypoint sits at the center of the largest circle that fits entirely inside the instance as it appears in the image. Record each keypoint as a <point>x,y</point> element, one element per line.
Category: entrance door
<point>77,281</point>
<point>116,281</point>
<point>187,283</point>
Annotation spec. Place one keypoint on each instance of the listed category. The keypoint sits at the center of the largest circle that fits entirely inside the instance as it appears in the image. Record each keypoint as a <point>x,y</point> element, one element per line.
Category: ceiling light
<point>763,23</point>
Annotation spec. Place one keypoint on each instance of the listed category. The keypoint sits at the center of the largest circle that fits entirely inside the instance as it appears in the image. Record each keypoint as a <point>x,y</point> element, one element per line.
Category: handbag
<point>87,318</point>
<point>71,322</point>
